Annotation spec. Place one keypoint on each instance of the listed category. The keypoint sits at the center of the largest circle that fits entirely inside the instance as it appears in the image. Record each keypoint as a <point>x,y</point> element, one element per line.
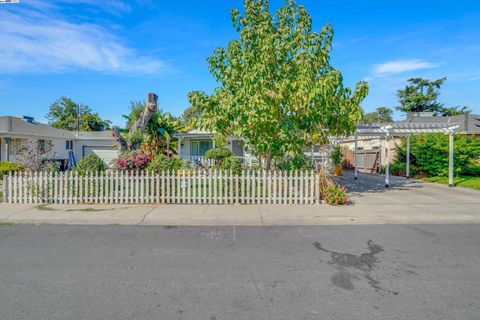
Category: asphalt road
<point>318,272</point>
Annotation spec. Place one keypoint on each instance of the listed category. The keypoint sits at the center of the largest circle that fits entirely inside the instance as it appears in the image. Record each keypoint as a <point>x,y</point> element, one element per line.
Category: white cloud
<point>400,66</point>
<point>41,41</point>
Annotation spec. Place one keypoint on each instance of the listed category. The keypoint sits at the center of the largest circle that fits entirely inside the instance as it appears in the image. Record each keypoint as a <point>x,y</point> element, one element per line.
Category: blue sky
<point>107,53</point>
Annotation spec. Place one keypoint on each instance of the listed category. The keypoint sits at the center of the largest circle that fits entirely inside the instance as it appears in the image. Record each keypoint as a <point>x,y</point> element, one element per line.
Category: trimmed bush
<point>218,153</point>
<point>90,163</point>
<point>163,164</point>
<point>400,169</point>
<point>6,167</point>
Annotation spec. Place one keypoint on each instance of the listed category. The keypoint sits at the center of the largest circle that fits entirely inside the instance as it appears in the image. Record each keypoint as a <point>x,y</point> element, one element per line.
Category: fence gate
<point>368,161</point>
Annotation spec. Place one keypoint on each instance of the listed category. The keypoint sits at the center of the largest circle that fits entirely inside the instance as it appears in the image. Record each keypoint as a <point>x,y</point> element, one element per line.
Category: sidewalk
<point>406,202</point>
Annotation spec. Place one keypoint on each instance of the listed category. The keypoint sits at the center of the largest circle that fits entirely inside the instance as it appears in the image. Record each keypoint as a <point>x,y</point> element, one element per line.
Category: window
<point>44,146</point>
<point>69,144</point>
<point>18,146</point>
<point>199,147</point>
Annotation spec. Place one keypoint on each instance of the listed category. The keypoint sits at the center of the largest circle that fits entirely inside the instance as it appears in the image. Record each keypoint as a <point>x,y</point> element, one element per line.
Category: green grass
<point>5,223</point>
<point>45,207</point>
<point>466,182</point>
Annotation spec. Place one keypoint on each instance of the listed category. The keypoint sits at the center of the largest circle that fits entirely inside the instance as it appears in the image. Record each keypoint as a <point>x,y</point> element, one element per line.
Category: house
<point>193,144</point>
<point>371,151</point>
<point>20,135</point>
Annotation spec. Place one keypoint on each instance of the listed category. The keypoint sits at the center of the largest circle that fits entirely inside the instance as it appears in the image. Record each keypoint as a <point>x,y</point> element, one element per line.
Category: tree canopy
<point>63,114</point>
<point>420,95</point>
<point>277,87</point>
<point>381,115</point>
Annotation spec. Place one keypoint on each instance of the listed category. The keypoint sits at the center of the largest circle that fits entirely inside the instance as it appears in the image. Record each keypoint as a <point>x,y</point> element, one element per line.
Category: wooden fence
<point>187,187</point>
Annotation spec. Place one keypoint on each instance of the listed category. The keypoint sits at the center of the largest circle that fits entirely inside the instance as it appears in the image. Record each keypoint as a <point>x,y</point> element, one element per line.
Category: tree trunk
<point>268,160</point>
<point>144,117</point>
<point>121,143</point>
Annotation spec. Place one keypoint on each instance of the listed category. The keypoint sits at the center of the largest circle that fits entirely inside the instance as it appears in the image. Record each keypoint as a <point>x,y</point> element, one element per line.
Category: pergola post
<point>355,157</point>
<point>450,161</point>
<point>387,163</point>
<point>408,157</point>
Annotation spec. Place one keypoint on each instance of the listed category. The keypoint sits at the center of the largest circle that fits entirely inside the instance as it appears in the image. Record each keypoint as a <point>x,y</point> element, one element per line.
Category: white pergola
<point>404,129</point>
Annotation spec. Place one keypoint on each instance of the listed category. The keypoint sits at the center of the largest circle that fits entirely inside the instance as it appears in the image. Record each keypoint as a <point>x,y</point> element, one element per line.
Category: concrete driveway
<point>405,202</point>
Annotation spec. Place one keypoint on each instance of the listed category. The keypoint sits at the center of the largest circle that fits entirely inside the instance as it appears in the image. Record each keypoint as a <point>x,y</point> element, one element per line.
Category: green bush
<point>400,169</point>
<point>90,163</point>
<point>163,164</point>
<point>336,155</point>
<point>429,153</point>
<point>295,162</point>
<point>6,167</point>
<point>218,153</point>
<point>232,164</point>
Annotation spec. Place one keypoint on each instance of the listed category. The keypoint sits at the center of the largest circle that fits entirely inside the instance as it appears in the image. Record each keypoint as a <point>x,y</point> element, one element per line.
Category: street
<point>273,272</point>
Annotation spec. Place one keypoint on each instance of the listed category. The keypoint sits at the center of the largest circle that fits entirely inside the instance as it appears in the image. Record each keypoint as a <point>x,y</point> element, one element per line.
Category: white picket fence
<point>187,187</point>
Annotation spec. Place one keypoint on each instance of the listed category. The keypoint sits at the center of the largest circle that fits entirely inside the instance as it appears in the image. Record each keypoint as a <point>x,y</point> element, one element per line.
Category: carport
<point>404,129</point>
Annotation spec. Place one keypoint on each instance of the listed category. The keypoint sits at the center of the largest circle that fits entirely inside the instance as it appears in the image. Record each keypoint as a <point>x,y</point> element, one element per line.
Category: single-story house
<point>20,135</point>
<point>193,144</point>
<point>372,150</point>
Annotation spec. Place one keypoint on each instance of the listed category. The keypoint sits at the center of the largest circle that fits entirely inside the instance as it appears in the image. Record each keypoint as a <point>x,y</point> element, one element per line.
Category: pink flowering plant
<point>336,196</point>
<point>135,160</point>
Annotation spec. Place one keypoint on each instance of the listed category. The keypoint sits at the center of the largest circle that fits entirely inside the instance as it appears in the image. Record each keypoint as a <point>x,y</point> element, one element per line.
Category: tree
<point>63,114</point>
<point>381,115</point>
<point>155,134</point>
<point>277,87</point>
<point>190,115</point>
<point>455,111</point>
<point>420,95</point>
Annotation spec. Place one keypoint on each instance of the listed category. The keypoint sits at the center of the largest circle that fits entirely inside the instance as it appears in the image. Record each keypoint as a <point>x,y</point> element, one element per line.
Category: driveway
<point>428,272</point>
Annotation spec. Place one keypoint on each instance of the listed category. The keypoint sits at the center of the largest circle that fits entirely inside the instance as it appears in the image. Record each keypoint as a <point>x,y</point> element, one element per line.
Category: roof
<point>467,123</point>
<point>194,133</point>
<point>25,126</point>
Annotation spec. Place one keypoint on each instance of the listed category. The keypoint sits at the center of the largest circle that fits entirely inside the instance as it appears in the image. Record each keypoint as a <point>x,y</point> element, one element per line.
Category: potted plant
<point>336,157</point>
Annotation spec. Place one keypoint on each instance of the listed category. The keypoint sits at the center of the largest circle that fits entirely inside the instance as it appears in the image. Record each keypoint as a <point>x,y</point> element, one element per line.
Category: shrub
<point>134,160</point>
<point>6,167</point>
<point>336,155</point>
<point>400,169</point>
<point>430,153</point>
<point>163,163</point>
<point>231,164</point>
<point>295,162</point>
<point>336,196</point>
<point>219,153</point>
<point>90,163</point>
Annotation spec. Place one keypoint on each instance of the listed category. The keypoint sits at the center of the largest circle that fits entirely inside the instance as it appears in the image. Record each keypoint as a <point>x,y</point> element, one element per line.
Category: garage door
<point>106,153</point>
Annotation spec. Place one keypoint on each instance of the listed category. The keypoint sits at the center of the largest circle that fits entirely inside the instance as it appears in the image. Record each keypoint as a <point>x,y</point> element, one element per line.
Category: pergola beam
<point>450,160</point>
<point>355,159</point>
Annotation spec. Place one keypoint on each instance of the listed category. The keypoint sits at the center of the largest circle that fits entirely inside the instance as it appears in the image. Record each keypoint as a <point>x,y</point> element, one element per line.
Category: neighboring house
<point>371,151</point>
<point>19,135</point>
<point>192,146</point>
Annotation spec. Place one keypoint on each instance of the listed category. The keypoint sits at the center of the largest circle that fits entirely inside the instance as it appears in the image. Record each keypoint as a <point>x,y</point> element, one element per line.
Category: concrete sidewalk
<point>406,202</point>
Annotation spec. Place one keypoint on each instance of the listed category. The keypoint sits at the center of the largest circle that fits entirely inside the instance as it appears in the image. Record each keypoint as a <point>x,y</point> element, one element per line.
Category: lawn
<point>466,182</point>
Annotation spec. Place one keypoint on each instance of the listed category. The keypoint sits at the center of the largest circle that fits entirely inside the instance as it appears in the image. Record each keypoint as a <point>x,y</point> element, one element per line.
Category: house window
<point>199,147</point>
<point>17,146</point>
<point>44,146</point>
<point>69,144</point>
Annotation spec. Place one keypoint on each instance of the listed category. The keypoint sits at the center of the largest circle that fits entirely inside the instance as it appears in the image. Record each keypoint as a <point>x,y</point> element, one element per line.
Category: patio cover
<point>405,129</point>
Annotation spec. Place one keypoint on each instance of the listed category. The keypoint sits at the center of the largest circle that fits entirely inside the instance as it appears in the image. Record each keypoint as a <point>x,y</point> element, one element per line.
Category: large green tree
<point>420,95</point>
<point>277,87</point>
<point>381,115</point>
<point>64,113</point>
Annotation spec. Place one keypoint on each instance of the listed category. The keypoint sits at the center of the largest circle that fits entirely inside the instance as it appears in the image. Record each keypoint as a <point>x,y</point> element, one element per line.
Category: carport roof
<point>403,128</point>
